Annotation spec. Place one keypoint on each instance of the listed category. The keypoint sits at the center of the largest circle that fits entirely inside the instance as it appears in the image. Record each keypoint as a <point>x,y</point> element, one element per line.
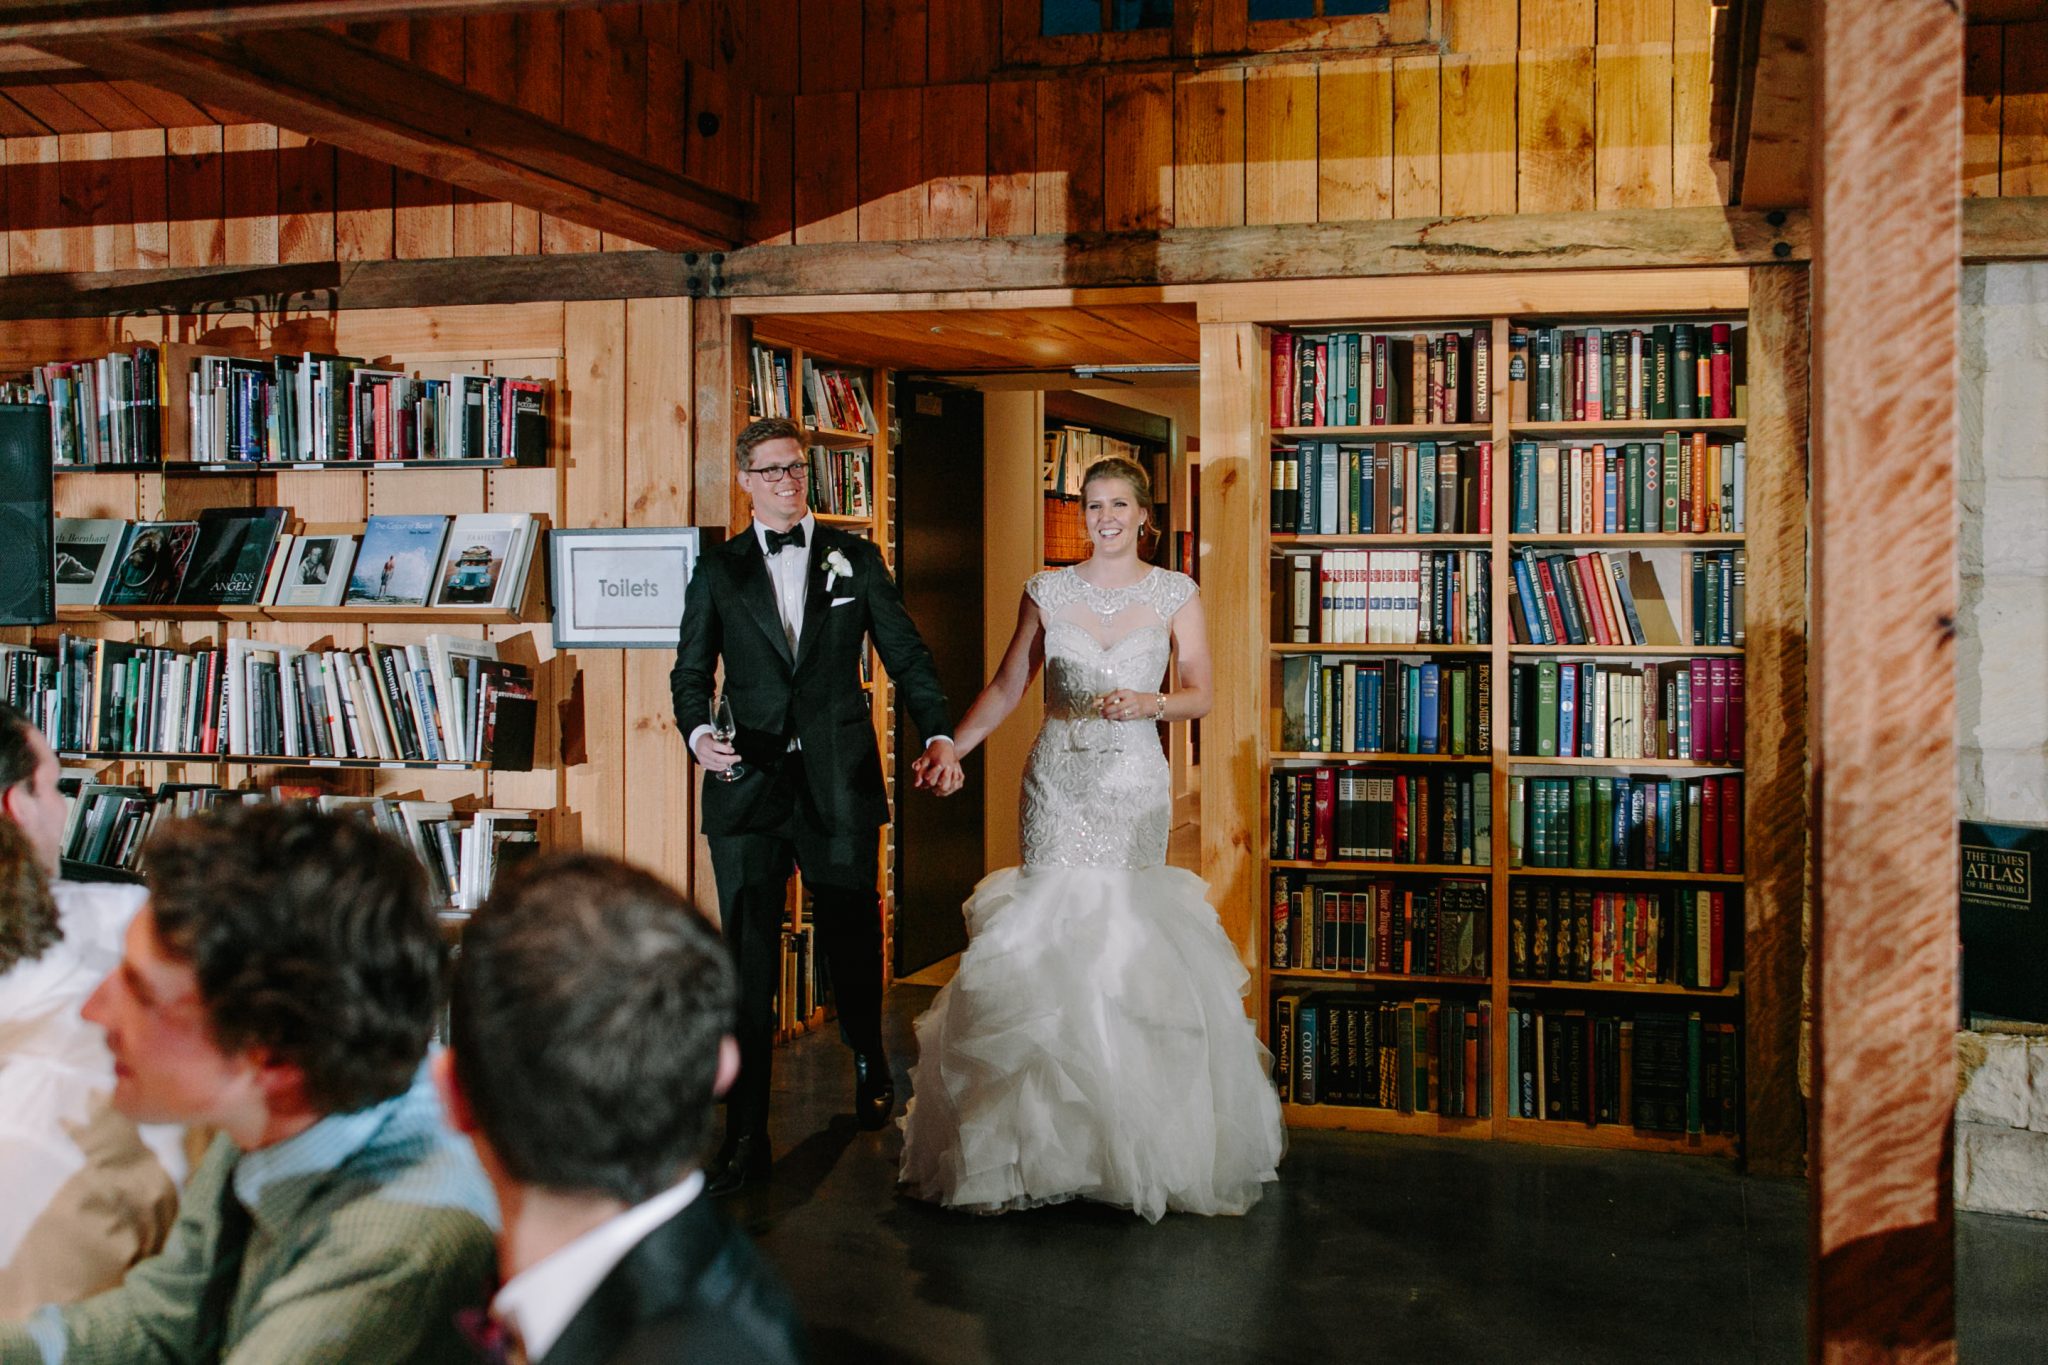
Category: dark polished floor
<point>1368,1248</point>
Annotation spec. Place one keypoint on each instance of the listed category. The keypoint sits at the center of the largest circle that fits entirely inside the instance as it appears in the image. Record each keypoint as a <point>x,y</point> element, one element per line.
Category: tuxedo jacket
<point>813,694</point>
<point>694,1289</point>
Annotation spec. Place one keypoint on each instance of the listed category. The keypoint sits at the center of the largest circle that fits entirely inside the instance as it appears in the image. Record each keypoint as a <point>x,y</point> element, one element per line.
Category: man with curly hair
<point>281,986</point>
<point>87,1194</point>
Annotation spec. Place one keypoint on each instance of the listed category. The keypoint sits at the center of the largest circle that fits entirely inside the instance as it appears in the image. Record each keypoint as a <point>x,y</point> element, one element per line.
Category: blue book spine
<point>1589,717</point>
<point>1665,834</point>
<point>1532,605</point>
<point>1624,793</point>
<point>1375,711</point>
<point>1426,727</point>
<point>1361,712</point>
<point>1425,488</point>
<point>1567,711</point>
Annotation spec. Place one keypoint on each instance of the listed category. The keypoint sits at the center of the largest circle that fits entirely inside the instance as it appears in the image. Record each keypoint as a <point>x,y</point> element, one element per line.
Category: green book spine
<point>1546,709</point>
<point>1632,486</point>
<point>1517,818</point>
<point>1459,706</point>
<point>1660,373</point>
<point>1669,482</point>
<point>1582,821</point>
<point>1603,822</point>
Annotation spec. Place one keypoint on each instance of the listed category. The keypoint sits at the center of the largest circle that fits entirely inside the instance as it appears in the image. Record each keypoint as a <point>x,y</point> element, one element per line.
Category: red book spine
<point>1549,586</point>
<point>1717,711</point>
<point>1485,476</point>
<point>1710,825</point>
<point>1715,932</point>
<point>1731,824</point>
<point>1383,925</point>
<point>1596,600</point>
<point>1401,854</point>
<point>1407,967</point>
<point>1282,904</point>
<point>1283,378</point>
<point>1325,813</point>
<point>1722,371</point>
<point>1735,722</point>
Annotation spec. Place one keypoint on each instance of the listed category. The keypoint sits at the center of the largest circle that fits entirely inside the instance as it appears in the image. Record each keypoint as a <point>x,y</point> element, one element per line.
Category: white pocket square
<point>841,601</point>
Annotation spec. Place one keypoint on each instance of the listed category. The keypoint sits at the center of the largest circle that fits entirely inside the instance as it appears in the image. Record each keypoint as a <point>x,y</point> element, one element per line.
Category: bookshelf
<point>323,497</point>
<point>847,412</point>
<point>1425,588</point>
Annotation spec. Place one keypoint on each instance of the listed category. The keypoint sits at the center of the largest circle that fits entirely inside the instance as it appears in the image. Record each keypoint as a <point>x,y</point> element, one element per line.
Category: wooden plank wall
<point>2005,110</point>
<point>1531,106</point>
<point>608,759</point>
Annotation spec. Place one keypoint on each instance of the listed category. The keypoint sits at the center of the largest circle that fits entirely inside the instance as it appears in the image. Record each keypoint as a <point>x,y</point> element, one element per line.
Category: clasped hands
<point>1124,704</point>
<point>937,769</point>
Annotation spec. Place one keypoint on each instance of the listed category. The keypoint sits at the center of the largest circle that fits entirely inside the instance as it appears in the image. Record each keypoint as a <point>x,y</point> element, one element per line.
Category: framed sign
<point>620,587</point>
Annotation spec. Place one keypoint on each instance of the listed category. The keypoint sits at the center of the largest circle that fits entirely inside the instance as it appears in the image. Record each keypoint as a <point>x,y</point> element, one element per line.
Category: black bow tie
<point>777,540</point>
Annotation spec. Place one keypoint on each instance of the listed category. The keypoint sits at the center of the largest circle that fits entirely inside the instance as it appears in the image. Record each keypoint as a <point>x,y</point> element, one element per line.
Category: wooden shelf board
<point>1360,1119</point>
<point>1731,991</point>
<point>165,611</point>
<point>1374,978</point>
<point>1638,651</point>
<point>1291,647</point>
<point>454,616</point>
<point>1657,425</point>
<point>110,467</point>
<point>247,468</point>
<point>272,760</point>
<point>1362,865</point>
<point>1616,1137</point>
<point>1626,874</point>
<point>1537,539</point>
<point>1282,542</point>
<point>831,436</point>
<point>1652,764</point>
<point>1407,430</point>
<point>843,519</point>
<point>1290,755</point>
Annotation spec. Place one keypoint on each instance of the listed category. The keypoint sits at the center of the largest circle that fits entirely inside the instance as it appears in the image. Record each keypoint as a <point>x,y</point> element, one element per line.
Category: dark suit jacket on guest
<point>693,1290</point>
<point>813,695</point>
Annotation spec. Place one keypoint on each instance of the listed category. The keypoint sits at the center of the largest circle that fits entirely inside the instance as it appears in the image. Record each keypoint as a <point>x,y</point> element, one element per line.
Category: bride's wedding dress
<point>1094,1043</point>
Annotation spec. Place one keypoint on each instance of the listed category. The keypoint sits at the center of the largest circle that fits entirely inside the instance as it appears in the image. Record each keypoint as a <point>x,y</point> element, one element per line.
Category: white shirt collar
<point>809,523</point>
<point>539,1302</point>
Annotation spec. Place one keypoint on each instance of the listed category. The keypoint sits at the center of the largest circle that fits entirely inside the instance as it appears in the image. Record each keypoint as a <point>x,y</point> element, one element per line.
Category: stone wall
<point>2002,691</point>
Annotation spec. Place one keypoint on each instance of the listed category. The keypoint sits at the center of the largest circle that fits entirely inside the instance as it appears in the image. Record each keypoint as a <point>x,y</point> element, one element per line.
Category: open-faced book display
<point>86,550</point>
<point>396,560</point>
<point>485,560</point>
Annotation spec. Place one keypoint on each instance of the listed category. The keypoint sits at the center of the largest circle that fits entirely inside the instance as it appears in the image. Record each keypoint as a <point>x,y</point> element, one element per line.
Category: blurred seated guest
<point>87,1197</point>
<point>589,1036</point>
<point>281,987</point>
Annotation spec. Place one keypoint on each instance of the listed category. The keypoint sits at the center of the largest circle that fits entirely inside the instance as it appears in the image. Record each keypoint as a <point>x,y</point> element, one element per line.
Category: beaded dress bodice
<point>1096,792</point>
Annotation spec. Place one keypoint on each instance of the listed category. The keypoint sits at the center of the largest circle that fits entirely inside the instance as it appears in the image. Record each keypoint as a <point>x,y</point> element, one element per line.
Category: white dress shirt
<point>540,1301</point>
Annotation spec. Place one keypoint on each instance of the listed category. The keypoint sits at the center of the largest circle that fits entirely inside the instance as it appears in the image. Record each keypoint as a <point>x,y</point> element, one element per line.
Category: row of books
<point>1590,598</point>
<point>311,407</point>
<point>767,381</point>
<point>1382,488</point>
<point>1071,450</point>
<point>1332,705</point>
<point>1665,372</point>
<point>248,556</point>
<point>1425,1056</point>
<point>1389,597</point>
<point>1410,928</point>
<point>1673,935</point>
<point>106,410</point>
<point>1654,1071</point>
<point>450,699</point>
<point>838,399</point>
<point>1697,485</point>
<point>463,851</point>
<point>1680,709</point>
<point>1357,379</point>
<point>1363,814</point>
<point>1647,824</point>
<point>842,481</point>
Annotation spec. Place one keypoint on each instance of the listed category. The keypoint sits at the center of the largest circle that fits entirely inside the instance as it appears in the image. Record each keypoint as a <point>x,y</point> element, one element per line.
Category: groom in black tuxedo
<point>788,605</point>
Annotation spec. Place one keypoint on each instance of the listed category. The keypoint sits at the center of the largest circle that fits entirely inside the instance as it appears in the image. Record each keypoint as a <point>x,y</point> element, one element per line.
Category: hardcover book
<point>152,565</point>
<point>484,563</point>
<point>396,561</point>
<point>86,550</point>
<point>316,573</point>
<point>231,556</point>
<point>2005,921</point>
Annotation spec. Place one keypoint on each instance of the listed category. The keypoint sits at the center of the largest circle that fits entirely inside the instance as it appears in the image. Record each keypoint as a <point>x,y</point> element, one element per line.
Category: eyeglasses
<point>776,473</point>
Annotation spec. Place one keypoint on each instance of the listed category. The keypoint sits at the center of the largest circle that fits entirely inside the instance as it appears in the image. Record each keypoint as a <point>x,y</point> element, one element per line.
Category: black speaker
<point>28,575</point>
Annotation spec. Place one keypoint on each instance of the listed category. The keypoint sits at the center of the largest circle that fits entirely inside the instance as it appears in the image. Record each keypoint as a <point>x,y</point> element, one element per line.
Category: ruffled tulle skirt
<point>1093,1045</point>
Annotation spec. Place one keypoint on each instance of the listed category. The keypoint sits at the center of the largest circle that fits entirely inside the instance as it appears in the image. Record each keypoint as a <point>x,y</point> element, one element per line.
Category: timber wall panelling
<point>608,761</point>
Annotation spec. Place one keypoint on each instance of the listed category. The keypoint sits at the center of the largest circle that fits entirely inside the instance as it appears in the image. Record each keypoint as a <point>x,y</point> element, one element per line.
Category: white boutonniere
<point>836,568</point>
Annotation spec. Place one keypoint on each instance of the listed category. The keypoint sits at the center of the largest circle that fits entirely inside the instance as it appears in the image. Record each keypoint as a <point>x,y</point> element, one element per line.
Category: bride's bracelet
<point>1160,715</point>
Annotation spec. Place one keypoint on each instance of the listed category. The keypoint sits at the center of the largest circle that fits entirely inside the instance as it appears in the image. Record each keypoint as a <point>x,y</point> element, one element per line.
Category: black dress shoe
<point>747,1163</point>
<point>874,1090</point>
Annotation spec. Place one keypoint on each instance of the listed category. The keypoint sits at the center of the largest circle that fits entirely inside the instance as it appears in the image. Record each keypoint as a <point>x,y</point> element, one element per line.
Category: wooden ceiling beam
<point>351,95</point>
<point>1771,102</point>
<point>40,21</point>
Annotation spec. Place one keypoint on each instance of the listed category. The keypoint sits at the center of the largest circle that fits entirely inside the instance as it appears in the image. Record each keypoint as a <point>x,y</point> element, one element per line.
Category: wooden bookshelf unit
<point>1363,944</point>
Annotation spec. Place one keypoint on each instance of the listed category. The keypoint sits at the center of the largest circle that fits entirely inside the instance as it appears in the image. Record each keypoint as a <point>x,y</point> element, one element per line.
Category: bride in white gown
<point>1094,1043</point>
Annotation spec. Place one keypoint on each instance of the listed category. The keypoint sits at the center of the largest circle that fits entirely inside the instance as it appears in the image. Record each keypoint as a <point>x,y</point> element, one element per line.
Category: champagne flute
<point>1104,681</point>
<point>723,729</point>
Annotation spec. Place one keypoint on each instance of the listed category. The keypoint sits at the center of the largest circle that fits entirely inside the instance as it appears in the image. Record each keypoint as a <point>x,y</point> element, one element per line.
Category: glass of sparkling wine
<point>1104,682</point>
<point>724,730</point>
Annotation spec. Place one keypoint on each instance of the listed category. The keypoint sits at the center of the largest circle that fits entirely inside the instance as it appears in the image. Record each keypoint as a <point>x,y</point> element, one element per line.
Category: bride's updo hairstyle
<point>1130,472</point>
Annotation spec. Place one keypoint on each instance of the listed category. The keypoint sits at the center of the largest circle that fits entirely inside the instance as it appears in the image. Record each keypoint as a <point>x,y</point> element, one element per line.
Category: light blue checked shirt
<point>368,1233</point>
